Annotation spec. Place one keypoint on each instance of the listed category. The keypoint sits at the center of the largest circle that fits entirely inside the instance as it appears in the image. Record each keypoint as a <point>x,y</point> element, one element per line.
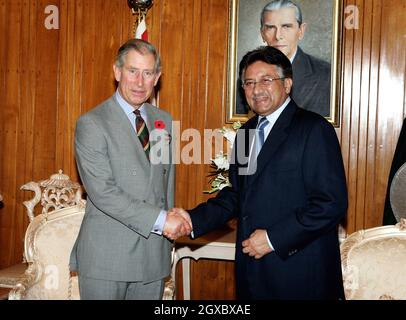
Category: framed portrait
<point>321,41</point>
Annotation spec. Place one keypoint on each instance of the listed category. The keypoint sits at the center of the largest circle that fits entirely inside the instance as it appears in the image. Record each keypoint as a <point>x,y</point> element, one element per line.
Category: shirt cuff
<point>269,242</point>
<point>158,227</point>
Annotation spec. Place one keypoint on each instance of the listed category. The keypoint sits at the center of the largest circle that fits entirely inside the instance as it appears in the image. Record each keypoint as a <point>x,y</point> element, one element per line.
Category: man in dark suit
<point>282,27</point>
<point>289,197</point>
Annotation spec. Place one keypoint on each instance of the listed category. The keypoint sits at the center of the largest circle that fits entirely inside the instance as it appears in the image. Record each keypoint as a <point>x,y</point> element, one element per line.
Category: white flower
<point>224,183</point>
<point>219,183</point>
<point>221,162</point>
<point>229,135</point>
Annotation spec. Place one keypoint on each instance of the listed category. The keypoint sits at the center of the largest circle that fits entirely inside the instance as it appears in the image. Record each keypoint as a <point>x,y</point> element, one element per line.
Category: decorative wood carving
<point>57,192</point>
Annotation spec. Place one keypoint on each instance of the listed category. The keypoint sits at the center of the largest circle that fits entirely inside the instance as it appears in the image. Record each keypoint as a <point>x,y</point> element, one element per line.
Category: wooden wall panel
<point>376,17</point>
<point>193,89</point>
<point>391,95</point>
<point>373,105</point>
<point>49,77</point>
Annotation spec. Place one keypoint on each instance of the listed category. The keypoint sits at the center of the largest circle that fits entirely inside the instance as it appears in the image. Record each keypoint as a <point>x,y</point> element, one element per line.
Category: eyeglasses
<point>146,74</point>
<point>264,82</point>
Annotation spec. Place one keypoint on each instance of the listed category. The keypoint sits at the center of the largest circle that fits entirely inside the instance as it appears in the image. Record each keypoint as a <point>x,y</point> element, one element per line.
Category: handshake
<point>177,224</point>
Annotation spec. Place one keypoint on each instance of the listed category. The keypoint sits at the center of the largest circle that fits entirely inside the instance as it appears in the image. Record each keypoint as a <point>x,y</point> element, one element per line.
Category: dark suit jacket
<point>311,83</point>
<point>399,159</point>
<point>298,194</point>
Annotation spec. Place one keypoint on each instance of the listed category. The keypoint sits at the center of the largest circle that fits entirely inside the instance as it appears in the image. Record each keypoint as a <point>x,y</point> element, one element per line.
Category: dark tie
<point>142,132</point>
<point>261,127</point>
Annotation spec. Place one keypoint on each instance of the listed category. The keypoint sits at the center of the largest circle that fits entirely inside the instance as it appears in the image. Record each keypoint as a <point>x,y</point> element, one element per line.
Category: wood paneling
<point>49,77</point>
<point>373,105</point>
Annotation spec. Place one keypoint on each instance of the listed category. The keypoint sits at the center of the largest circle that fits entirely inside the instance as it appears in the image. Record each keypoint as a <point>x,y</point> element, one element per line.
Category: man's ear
<point>117,73</point>
<point>262,35</point>
<point>287,83</point>
<point>302,30</point>
<point>157,76</point>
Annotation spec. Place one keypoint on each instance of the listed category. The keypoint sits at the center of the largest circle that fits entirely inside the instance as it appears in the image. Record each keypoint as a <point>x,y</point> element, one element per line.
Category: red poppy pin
<point>159,124</point>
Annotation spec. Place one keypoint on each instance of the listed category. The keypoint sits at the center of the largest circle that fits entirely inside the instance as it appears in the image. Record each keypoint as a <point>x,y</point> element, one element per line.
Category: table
<point>4,293</point>
<point>219,244</point>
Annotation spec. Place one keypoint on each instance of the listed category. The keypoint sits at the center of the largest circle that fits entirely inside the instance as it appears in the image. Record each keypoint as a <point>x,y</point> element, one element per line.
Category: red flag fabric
<point>142,32</point>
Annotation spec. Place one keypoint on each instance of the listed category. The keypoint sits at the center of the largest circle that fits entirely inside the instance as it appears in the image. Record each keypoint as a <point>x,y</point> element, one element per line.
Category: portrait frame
<point>334,45</point>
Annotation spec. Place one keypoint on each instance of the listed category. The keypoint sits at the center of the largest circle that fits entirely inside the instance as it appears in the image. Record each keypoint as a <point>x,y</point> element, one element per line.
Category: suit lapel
<point>301,65</point>
<point>275,139</point>
<point>151,118</point>
<point>303,80</point>
<point>122,123</point>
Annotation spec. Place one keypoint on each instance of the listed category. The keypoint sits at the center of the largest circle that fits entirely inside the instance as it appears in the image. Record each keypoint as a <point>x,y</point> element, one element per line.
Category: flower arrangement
<point>220,164</point>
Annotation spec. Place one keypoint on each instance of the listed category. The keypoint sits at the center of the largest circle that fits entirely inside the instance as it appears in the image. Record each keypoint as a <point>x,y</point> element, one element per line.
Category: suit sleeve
<point>104,193</point>
<point>326,191</point>
<point>214,213</point>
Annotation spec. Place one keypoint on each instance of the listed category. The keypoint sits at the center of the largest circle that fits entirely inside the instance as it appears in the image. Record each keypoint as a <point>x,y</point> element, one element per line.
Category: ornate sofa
<point>48,241</point>
<point>373,262</point>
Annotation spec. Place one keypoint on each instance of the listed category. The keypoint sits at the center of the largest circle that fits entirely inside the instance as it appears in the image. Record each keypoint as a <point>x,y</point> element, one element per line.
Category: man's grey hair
<point>142,47</point>
<point>280,4</point>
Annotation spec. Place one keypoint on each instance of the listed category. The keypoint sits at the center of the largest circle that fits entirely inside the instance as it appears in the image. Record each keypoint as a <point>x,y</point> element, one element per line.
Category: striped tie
<point>261,134</point>
<point>142,132</point>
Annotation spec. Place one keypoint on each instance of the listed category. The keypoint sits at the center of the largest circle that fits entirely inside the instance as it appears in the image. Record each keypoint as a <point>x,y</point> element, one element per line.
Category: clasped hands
<point>177,224</point>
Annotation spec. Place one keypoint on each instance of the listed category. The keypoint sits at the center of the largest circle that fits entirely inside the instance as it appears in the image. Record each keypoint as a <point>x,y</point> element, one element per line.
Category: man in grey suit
<point>282,27</point>
<point>120,252</point>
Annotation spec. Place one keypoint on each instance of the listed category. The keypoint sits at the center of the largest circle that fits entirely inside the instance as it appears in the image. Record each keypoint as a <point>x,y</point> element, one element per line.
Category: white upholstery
<point>48,240</point>
<point>48,243</point>
<point>374,262</point>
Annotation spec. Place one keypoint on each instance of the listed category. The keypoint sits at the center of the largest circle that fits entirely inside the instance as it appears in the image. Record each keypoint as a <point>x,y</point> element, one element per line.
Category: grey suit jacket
<point>125,196</point>
<point>311,83</point>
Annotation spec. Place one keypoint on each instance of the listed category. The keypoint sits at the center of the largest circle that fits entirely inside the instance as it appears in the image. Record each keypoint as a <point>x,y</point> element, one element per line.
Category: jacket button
<point>134,172</point>
<point>164,171</point>
<point>292,252</point>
